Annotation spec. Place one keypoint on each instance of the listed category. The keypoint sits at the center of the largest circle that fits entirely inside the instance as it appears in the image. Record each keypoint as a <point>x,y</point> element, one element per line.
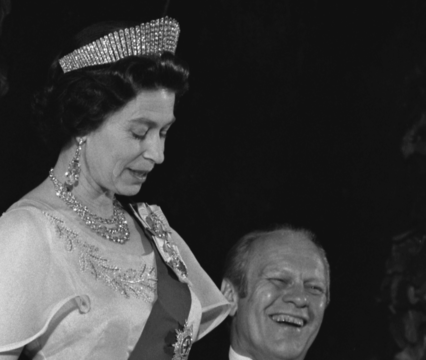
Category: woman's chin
<point>129,190</point>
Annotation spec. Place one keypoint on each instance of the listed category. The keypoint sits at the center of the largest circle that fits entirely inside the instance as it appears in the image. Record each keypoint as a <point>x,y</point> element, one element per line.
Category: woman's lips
<point>139,174</point>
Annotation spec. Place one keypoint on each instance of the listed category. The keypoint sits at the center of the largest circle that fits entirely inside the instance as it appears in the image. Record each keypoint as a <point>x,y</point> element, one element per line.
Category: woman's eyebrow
<point>149,122</point>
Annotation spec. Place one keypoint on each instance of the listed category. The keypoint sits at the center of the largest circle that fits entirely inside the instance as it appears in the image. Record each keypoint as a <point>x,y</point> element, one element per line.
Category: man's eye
<point>278,281</point>
<point>315,289</point>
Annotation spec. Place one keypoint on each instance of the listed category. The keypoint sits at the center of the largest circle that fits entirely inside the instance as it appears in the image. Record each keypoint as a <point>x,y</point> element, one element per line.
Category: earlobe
<point>231,294</point>
<point>81,139</point>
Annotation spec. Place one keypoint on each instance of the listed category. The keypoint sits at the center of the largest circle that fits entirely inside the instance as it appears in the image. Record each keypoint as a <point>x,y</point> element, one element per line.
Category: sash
<point>168,314</point>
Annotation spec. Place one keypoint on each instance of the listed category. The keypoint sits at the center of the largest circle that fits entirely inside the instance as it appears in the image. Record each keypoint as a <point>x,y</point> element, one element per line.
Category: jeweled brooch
<point>158,228</point>
<point>183,343</point>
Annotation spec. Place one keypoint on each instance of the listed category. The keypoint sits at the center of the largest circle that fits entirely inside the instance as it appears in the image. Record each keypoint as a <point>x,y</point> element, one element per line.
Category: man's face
<point>286,298</point>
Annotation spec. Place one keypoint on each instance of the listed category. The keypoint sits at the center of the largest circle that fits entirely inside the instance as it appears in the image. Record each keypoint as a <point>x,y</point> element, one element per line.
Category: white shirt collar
<point>234,356</point>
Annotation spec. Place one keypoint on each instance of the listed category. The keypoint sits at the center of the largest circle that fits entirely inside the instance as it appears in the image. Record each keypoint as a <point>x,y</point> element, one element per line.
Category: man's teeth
<point>287,319</point>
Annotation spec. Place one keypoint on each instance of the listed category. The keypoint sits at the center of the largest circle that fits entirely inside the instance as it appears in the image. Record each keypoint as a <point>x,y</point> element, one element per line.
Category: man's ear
<point>231,294</point>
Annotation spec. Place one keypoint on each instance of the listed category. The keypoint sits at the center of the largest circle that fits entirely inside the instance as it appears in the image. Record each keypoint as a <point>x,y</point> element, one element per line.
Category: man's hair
<point>238,257</point>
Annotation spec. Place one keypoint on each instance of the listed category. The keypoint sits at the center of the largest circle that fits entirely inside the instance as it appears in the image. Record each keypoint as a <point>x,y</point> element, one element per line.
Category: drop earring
<point>73,173</point>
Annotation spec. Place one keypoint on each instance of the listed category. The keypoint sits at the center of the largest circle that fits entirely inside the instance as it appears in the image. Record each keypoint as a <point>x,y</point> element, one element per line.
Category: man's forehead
<point>287,240</point>
<point>269,250</point>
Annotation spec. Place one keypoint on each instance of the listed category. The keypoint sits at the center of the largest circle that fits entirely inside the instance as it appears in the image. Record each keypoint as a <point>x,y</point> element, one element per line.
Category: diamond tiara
<point>154,37</point>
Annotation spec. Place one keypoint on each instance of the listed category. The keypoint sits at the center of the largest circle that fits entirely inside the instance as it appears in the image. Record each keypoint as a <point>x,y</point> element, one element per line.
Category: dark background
<point>296,114</point>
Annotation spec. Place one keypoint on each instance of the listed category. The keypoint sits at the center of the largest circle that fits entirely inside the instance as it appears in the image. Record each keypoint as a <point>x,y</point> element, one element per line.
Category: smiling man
<point>278,285</point>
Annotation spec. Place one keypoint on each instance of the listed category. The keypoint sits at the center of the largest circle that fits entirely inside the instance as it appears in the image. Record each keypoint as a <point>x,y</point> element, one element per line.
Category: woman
<point>84,276</point>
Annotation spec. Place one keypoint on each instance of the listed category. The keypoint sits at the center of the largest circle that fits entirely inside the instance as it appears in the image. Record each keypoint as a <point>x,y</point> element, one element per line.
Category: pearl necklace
<point>118,233</point>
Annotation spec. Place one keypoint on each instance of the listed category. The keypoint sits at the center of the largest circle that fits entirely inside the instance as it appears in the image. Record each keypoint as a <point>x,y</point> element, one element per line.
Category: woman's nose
<point>155,149</point>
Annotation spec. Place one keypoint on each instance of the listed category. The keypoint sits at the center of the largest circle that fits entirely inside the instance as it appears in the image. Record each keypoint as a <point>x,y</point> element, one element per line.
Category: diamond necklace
<point>119,233</point>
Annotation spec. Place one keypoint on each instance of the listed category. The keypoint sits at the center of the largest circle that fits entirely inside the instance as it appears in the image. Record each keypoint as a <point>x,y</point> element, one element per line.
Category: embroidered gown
<point>63,295</point>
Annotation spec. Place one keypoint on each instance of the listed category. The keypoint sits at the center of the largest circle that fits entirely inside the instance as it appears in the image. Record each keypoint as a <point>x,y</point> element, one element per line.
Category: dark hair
<point>238,257</point>
<point>77,102</point>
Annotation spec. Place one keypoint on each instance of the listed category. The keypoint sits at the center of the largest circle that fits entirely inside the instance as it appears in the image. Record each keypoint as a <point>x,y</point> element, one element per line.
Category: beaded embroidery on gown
<point>140,282</point>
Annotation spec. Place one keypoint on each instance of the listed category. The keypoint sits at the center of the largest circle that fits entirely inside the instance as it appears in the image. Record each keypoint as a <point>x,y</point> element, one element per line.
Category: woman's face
<point>119,154</point>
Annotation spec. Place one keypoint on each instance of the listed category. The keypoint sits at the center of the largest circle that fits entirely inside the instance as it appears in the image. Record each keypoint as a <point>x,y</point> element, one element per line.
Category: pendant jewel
<point>183,343</point>
<point>72,175</point>
<point>114,228</point>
